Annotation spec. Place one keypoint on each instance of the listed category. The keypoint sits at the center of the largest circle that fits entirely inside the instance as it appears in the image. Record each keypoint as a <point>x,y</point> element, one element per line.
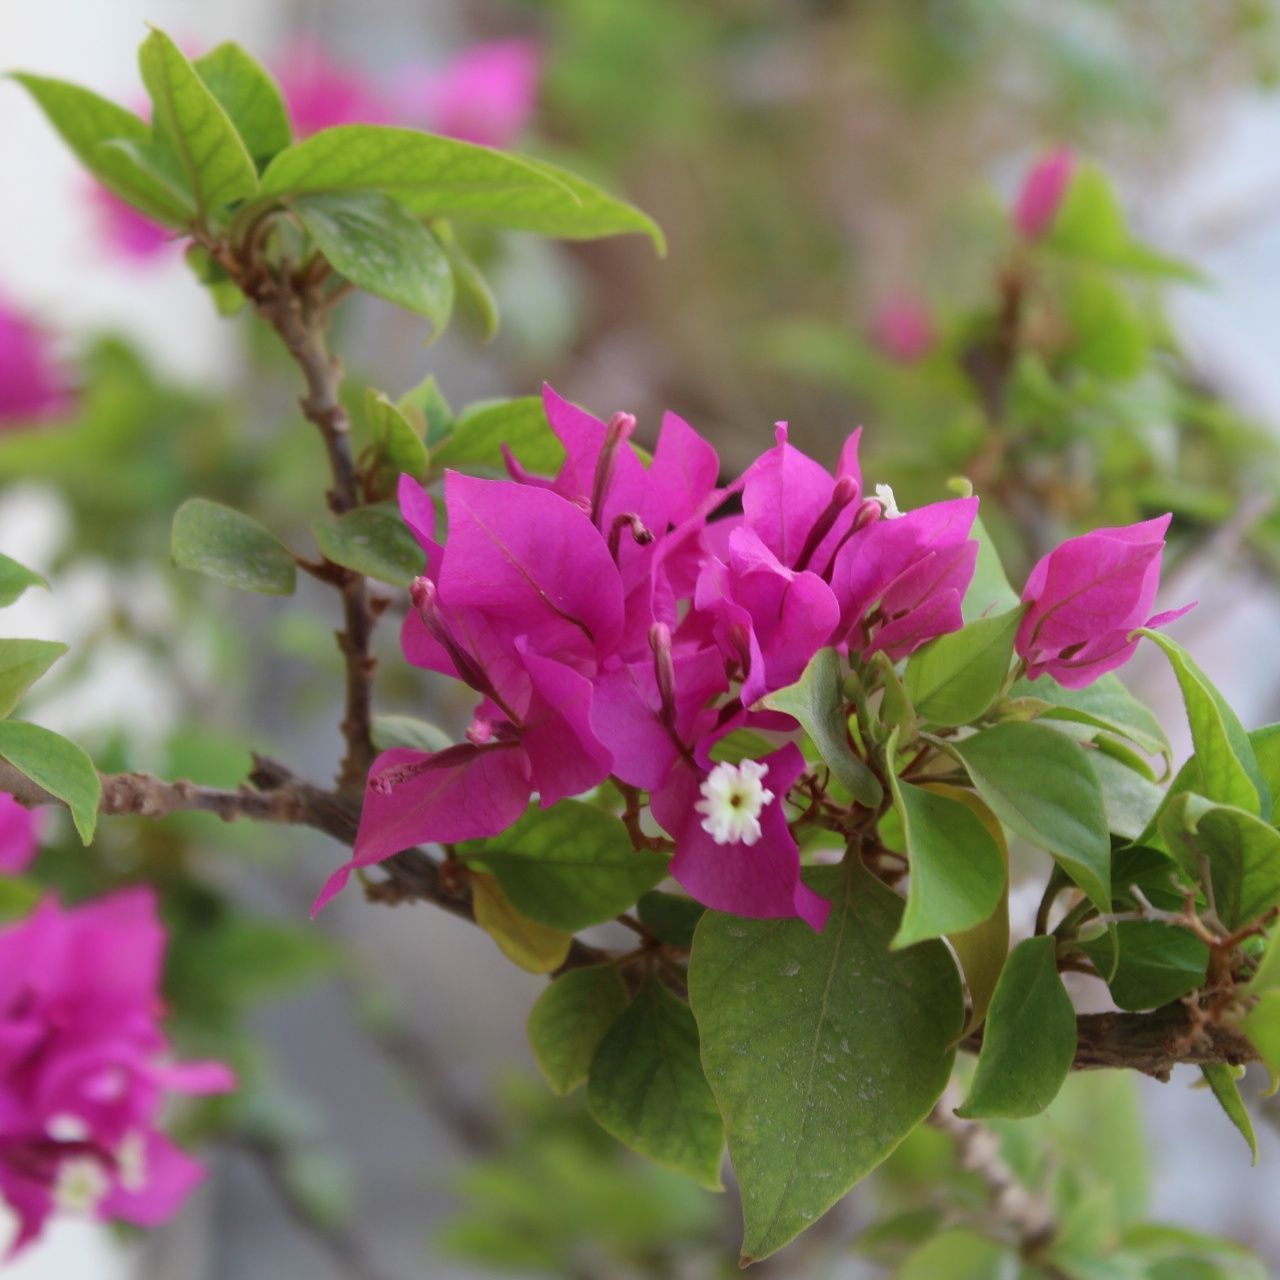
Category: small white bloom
<point>82,1182</point>
<point>733,797</point>
<point>131,1161</point>
<point>884,496</point>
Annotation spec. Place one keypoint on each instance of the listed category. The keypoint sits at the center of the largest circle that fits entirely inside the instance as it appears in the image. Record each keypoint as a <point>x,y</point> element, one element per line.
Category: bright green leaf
<point>398,441</point>
<point>249,96</point>
<point>426,410</point>
<point>191,121</point>
<point>1110,335</point>
<point>816,700</point>
<point>87,123</point>
<point>469,285</point>
<point>958,873</point>
<point>226,544</point>
<point>958,1254</point>
<point>55,764</point>
<point>1029,1041</point>
<point>569,866</point>
<point>15,578</point>
<point>824,1050</point>
<point>647,1087</point>
<point>1041,785</point>
<point>955,678</point>
<point>1226,769</point>
<point>1221,1079</point>
<point>570,1019</point>
<point>1262,1026</point>
<point>1105,703</point>
<point>373,540</point>
<point>480,432</point>
<point>381,247</point>
<point>22,663</point>
<point>989,591</point>
<point>1129,799</point>
<point>1090,222</point>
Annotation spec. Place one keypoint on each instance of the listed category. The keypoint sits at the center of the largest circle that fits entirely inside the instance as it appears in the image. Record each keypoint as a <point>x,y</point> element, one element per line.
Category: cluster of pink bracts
<point>85,1069</point>
<point>612,628</point>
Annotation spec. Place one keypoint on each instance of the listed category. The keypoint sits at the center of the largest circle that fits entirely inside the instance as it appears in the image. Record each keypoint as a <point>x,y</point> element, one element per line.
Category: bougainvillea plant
<point>768,739</point>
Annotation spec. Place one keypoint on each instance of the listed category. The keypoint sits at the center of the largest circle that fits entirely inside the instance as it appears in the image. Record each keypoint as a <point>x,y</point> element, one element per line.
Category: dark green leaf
<point>958,873</point>
<point>481,431</point>
<point>1041,785</point>
<point>824,1050</point>
<point>1029,1041</point>
<point>670,917</point>
<point>249,96</point>
<point>226,544</point>
<point>569,866</point>
<point>87,123</point>
<point>1242,854</point>
<point>646,1086</point>
<point>1157,964</point>
<point>1226,769</point>
<point>380,246</point>
<point>570,1019</point>
<point>1221,1079</point>
<point>373,540</point>
<point>816,700</point>
<point>15,578</point>
<point>55,764</point>
<point>955,678</point>
<point>22,663</point>
<point>190,120</point>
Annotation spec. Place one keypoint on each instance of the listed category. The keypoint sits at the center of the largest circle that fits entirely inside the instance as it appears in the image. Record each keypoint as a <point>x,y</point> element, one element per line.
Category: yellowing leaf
<point>524,942</point>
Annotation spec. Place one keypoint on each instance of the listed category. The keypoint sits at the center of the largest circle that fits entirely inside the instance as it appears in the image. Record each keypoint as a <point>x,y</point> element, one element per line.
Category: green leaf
<point>1226,769</point>
<point>670,917</point>
<point>249,96</point>
<point>824,1050</point>
<point>479,434</point>
<point>958,1254</point>
<point>373,540</point>
<point>469,284</point>
<point>569,866</point>
<point>989,591</point>
<point>1029,1041</point>
<point>406,731</point>
<point>1090,222</point>
<point>1157,963</point>
<point>1129,799</point>
<point>87,123</point>
<point>188,118</point>
<point>1262,1026</point>
<point>1241,851</point>
<point>570,1019</point>
<point>954,679</point>
<point>958,874</point>
<point>380,246</point>
<point>55,764</point>
<point>1221,1079</point>
<point>534,947</point>
<point>1040,785</point>
<point>226,544</point>
<point>816,700</point>
<point>22,663</point>
<point>983,948</point>
<point>15,578</point>
<point>426,410</point>
<point>1105,703</point>
<point>1110,336</point>
<point>397,439</point>
<point>647,1088</point>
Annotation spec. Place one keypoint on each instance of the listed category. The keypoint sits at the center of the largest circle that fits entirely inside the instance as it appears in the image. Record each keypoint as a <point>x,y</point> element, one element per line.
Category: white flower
<point>131,1161</point>
<point>82,1182</point>
<point>733,797</point>
<point>884,496</point>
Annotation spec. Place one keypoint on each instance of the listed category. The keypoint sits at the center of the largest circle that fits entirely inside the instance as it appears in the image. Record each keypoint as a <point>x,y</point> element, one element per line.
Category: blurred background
<point>835,181</point>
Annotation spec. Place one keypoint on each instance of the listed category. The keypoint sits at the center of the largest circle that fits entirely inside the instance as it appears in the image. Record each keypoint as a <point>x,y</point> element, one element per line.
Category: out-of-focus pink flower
<point>32,385</point>
<point>130,234</point>
<point>1086,597</point>
<point>902,329</point>
<point>85,1068</point>
<point>1042,193</point>
<point>486,95</point>
<point>19,836</point>
<point>321,92</point>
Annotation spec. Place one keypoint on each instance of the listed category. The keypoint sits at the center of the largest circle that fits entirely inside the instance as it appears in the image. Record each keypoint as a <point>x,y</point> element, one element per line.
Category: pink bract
<point>1043,190</point>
